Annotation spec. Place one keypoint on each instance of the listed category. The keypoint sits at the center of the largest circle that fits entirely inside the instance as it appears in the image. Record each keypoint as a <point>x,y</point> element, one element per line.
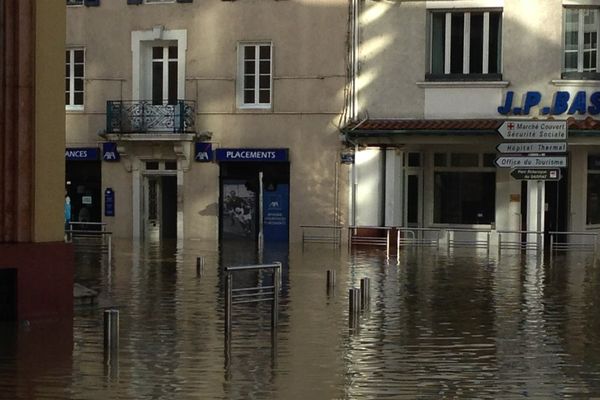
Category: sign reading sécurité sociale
<point>533,130</point>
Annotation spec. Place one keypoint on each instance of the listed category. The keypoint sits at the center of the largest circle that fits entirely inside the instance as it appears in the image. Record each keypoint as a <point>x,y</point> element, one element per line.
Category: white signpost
<point>553,147</point>
<point>533,155</point>
<point>533,130</point>
<point>531,161</point>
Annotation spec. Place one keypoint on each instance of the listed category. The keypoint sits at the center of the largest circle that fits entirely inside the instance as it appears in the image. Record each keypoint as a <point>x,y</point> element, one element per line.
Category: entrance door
<point>556,201</point>
<point>412,200</point>
<point>160,207</point>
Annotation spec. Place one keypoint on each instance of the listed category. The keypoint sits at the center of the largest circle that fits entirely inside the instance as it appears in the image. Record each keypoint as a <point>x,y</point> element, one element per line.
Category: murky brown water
<point>439,326</point>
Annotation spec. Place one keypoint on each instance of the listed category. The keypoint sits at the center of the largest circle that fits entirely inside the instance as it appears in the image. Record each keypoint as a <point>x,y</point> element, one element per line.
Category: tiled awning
<point>454,127</point>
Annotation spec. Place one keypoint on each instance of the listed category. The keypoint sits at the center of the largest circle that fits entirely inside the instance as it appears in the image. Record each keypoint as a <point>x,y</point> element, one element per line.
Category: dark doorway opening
<point>556,215</point>
<point>8,295</point>
<point>83,186</point>
<point>168,224</point>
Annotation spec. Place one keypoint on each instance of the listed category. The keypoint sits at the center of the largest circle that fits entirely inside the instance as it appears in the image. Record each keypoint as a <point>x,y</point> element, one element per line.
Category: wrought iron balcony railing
<point>143,116</point>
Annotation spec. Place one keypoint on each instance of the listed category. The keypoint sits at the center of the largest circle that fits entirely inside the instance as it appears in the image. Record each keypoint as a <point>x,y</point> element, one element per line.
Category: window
<point>74,75</point>
<point>464,190</point>
<point>593,190</point>
<point>164,75</point>
<point>465,45</point>
<point>581,28</point>
<point>255,75</point>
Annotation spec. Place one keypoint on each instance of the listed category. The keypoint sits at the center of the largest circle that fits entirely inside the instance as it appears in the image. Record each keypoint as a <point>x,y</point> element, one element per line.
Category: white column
<point>535,208</point>
<point>369,169</point>
<point>577,189</point>
<point>136,196</point>
<point>180,204</point>
<point>393,188</point>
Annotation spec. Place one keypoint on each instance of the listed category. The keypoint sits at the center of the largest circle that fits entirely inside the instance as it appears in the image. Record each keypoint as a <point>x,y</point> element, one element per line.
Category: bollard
<point>354,302</point>
<point>200,266</point>
<point>330,279</point>
<point>111,330</point>
<point>365,293</point>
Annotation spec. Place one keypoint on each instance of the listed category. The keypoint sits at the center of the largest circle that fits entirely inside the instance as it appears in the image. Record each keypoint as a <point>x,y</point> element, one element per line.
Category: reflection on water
<point>439,326</point>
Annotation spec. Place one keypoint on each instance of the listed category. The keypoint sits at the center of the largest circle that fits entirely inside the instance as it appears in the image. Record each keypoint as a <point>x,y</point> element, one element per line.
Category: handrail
<point>476,243</point>
<point>332,234</point>
<point>88,233</point>
<point>255,297</point>
<point>420,241</point>
<point>370,240</point>
<point>518,244</point>
<point>568,246</point>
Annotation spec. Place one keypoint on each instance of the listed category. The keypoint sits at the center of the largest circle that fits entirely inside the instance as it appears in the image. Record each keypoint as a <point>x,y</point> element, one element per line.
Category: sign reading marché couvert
<point>562,102</point>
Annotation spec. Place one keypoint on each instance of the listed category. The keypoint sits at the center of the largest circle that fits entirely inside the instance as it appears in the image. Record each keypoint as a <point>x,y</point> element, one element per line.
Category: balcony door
<point>164,75</point>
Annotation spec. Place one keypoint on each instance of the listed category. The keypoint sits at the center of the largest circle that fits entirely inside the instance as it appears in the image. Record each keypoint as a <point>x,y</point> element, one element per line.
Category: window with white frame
<point>465,45</point>
<point>593,190</point>
<point>74,76</point>
<point>581,27</point>
<point>255,73</point>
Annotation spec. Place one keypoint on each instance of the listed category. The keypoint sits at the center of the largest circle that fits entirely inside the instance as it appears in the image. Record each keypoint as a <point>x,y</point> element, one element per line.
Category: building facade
<point>436,81</point>
<point>36,266</point>
<point>206,119</point>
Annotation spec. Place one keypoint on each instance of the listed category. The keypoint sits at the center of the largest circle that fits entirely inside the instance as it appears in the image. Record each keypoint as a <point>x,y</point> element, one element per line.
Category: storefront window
<point>593,190</point>
<point>465,188</point>
<point>464,197</point>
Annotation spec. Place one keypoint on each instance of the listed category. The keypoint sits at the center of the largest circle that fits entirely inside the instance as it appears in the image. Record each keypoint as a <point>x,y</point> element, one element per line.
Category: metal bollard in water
<point>330,279</point>
<point>365,293</point>
<point>111,330</point>
<point>200,266</point>
<point>354,302</point>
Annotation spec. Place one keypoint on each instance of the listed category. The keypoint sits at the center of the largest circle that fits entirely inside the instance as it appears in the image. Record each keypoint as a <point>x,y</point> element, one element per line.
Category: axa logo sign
<point>203,152</point>
<point>109,152</point>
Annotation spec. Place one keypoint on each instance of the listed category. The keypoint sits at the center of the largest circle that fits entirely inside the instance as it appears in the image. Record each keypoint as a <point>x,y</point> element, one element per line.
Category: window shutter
<point>91,3</point>
<point>185,1</point>
<point>134,2</point>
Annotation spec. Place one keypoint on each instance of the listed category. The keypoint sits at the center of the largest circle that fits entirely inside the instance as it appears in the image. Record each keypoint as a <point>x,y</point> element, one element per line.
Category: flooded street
<point>439,325</point>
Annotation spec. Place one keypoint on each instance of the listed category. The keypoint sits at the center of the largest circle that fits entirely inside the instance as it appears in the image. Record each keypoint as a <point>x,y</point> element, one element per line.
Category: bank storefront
<point>469,174</point>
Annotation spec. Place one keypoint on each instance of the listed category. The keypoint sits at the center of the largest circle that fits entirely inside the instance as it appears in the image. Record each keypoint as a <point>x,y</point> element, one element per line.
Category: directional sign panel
<point>536,174</point>
<point>531,162</point>
<point>522,147</point>
<point>534,130</point>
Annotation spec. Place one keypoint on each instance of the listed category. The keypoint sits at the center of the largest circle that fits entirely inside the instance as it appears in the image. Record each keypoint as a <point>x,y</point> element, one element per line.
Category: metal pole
<point>111,330</point>
<point>109,248</point>
<point>199,266</point>
<point>277,286</point>
<point>330,279</point>
<point>365,293</point>
<point>387,243</point>
<point>499,244</point>
<point>228,294</point>
<point>353,302</point>
<point>540,185</point>
<point>261,238</point>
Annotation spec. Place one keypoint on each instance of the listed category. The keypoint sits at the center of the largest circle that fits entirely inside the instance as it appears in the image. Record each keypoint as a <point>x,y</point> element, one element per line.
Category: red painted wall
<point>44,278</point>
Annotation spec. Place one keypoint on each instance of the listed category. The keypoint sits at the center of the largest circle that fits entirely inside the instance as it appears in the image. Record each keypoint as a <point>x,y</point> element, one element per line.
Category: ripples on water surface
<point>439,326</point>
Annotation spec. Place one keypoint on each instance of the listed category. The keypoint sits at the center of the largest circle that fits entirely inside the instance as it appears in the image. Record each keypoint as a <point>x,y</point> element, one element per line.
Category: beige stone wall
<point>49,183</point>
<point>309,52</point>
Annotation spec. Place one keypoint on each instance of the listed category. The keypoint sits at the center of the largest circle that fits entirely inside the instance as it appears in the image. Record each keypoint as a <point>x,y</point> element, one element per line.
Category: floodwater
<point>439,326</point>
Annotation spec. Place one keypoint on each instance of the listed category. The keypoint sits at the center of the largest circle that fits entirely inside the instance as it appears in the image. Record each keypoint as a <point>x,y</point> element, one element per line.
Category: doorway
<point>160,207</point>
<point>8,295</point>
<point>413,191</point>
<point>556,210</point>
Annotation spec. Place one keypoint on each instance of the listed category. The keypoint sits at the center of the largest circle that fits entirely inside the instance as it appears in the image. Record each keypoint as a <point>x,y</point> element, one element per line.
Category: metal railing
<point>75,224</point>
<point>329,234</point>
<point>252,294</point>
<point>519,244</point>
<point>86,239</point>
<point>355,239</point>
<point>143,116</point>
<point>468,238</point>
<point>574,241</point>
<point>417,237</point>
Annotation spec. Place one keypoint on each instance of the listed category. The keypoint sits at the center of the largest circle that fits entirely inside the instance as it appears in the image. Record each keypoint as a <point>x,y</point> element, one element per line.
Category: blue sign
<point>109,152</point>
<point>109,202</point>
<point>81,154</point>
<point>562,103</point>
<point>203,152</point>
<point>252,154</point>
<point>276,213</point>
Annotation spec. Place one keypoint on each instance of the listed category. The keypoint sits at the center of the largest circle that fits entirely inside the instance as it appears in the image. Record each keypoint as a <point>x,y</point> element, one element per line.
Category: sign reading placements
<point>520,147</point>
<point>534,130</point>
<point>252,155</point>
<point>530,161</point>
<point>81,154</point>
<point>536,174</point>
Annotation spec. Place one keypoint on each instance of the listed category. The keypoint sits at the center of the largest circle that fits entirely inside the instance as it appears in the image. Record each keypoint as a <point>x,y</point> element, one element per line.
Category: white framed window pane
<point>457,43</point>
<point>495,39</point>
<point>476,44</point>
<point>249,96</point>
<point>438,38</point>
<point>264,97</point>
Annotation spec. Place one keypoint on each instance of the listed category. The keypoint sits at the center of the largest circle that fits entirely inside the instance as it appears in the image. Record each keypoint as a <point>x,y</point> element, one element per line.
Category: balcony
<point>143,116</point>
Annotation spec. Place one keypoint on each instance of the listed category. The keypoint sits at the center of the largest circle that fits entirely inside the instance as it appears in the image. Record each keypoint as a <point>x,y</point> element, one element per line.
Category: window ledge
<point>74,109</point>
<point>575,82</point>
<point>463,84</point>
